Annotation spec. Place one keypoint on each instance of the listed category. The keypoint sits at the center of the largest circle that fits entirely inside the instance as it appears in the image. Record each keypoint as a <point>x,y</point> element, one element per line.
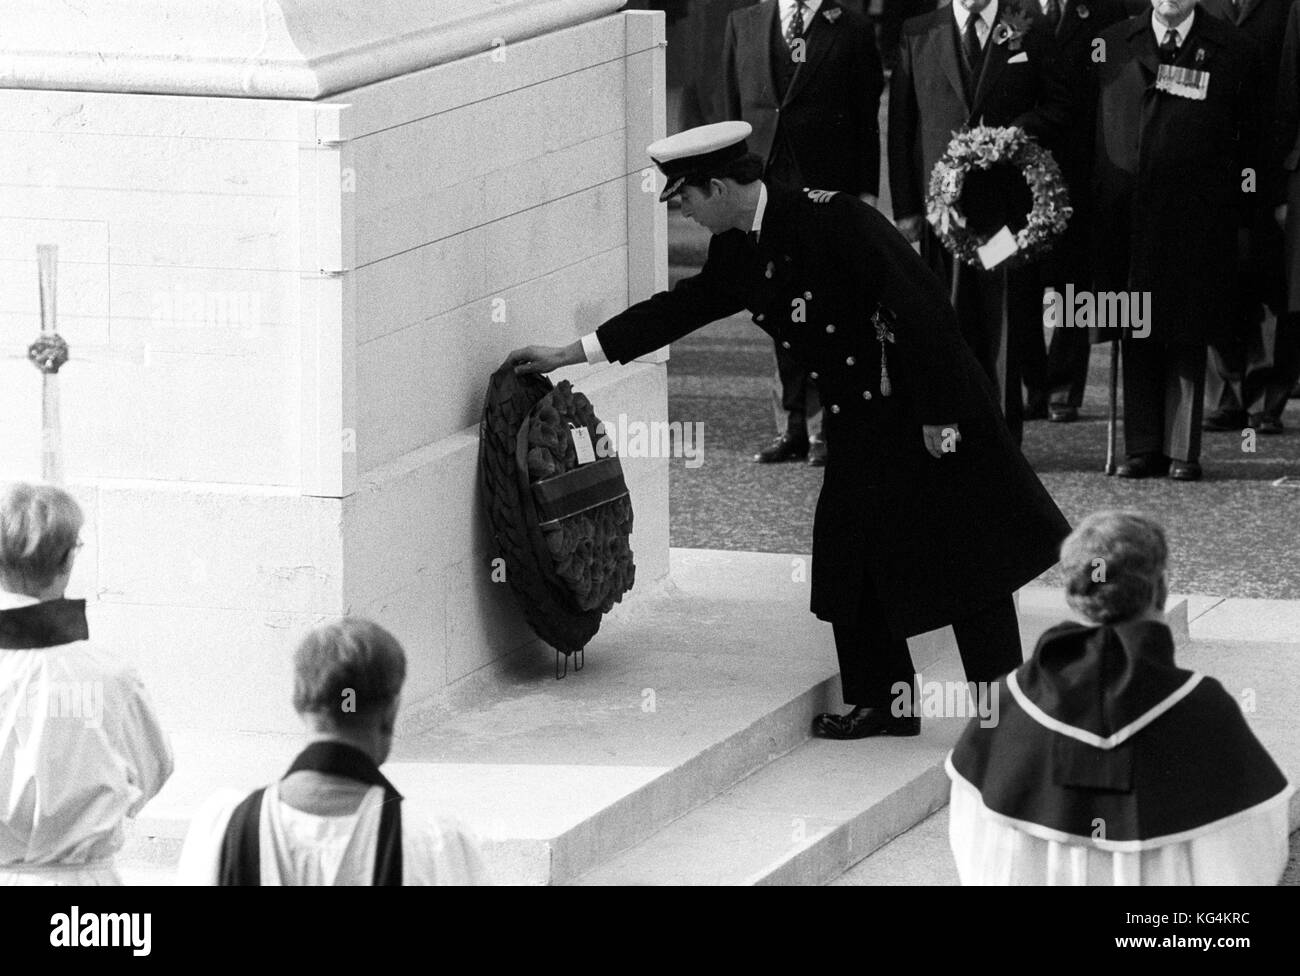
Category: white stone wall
<point>282,319</point>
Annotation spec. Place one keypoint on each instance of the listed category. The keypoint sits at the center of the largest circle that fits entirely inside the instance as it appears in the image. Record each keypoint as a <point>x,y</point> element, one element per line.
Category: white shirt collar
<point>12,601</point>
<point>1181,30</point>
<point>758,211</point>
<point>810,8</point>
<point>989,15</point>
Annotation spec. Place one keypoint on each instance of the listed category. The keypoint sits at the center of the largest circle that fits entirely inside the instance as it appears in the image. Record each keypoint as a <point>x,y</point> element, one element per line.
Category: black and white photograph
<point>701,443</point>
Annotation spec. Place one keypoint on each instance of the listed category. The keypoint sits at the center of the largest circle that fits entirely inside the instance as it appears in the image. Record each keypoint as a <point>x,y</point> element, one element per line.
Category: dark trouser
<point>1254,370</point>
<point>1164,386</point>
<point>994,310</point>
<point>1033,363</point>
<point>1067,367</point>
<point>872,660</point>
<point>798,409</point>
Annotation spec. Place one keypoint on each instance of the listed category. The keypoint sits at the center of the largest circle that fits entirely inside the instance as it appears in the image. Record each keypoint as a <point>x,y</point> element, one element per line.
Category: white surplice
<point>1248,848</point>
<point>80,751</point>
<point>298,848</point>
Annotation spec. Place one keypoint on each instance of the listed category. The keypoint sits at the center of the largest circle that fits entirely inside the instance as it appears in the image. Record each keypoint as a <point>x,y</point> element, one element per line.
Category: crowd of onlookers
<point>1084,778</point>
<point>1176,126</point>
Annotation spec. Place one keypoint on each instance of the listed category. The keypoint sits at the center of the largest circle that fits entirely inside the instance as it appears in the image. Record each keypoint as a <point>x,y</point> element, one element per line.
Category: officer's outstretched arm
<point>712,294</point>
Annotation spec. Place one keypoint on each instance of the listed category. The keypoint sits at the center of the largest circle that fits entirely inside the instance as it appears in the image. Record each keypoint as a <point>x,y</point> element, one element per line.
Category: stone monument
<point>295,237</point>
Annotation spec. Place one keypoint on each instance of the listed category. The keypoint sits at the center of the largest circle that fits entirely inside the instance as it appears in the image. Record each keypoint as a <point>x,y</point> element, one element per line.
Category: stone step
<point>687,690</point>
<point>804,818</point>
<point>921,856</point>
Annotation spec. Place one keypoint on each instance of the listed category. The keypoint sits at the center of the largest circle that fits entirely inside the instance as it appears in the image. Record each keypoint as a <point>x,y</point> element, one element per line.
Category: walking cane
<point>1113,393</point>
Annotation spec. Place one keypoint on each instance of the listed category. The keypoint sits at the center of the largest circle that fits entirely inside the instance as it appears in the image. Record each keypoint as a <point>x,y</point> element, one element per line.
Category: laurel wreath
<point>981,148</point>
<point>564,580</point>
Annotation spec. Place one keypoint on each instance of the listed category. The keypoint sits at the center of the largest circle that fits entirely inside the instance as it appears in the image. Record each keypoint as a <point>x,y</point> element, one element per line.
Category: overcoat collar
<point>1247,8</point>
<point>945,37</point>
<point>1074,18</point>
<point>822,34</point>
<point>51,623</point>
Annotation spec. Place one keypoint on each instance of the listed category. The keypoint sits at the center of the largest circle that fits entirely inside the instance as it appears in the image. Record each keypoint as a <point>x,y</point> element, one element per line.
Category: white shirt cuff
<point>593,350</point>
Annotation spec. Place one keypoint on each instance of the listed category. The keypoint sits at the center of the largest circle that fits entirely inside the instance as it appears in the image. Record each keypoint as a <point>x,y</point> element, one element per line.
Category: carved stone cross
<point>48,353</point>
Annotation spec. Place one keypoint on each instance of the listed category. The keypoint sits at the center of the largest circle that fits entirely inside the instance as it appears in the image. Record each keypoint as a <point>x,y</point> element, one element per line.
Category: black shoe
<point>817,454</point>
<point>1265,424</point>
<point>1144,466</point>
<point>1224,420</point>
<point>1063,414</point>
<point>787,447</point>
<point>1036,408</point>
<point>865,721</point>
<point>1185,471</point>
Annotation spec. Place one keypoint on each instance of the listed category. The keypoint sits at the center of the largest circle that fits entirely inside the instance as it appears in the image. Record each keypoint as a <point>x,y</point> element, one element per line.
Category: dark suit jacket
<point>927,103</point>
<point>1075,35</point>
<point>1168,174</point>
<point>1286,143</point>
<point>938,539</point>
<point>1265,22</point>
<point>828,121</point>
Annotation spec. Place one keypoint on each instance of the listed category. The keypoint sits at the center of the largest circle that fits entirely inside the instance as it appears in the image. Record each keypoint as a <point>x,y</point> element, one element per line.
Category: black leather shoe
<point>1036,408</point>
<point>817,454</point>
<point>864,721</point>
<point>787,447</point>
<point>1063,415</point>
<point>1185,471</point>
<point>1144,466</point>
<point>1265,424</point>
<point>1224,420</point>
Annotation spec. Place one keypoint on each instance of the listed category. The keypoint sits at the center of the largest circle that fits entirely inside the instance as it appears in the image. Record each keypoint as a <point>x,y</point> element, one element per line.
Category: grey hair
<point>348,673</point>
<point>39,525</point>
<point>1114,563</point>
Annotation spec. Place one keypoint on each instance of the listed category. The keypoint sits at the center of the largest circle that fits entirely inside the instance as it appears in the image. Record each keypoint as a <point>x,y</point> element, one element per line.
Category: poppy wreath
<point>989,178</point>
<point>561,526</point>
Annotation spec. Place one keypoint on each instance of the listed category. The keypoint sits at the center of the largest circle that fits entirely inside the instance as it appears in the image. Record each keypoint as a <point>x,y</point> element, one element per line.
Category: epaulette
<point>819,196</point>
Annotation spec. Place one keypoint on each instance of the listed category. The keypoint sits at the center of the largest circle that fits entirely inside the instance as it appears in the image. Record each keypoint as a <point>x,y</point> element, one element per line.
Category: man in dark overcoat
<point>1285,140</point>
<point>929,514</point>
<point>1171,211</point>
<point>975,62</point>
<point>806,75</point>
<point>1252,361</point>
<point>1063,364</point>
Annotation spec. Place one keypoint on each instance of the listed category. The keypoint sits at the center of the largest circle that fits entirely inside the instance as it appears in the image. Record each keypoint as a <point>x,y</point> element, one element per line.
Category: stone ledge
<point>295,49</point>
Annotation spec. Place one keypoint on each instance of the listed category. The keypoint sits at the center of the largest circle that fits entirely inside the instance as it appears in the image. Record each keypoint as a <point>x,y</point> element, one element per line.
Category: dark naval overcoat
<point>937,538</point>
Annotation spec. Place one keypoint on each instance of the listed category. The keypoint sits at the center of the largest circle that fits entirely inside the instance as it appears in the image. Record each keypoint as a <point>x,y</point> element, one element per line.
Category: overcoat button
<point>850,361</point>
<point>758,317</point>
<point>830,328</point>
<point>768,272</point>
<point>866,394</point>
<point>812,376</point>
<point>785,345</point>
<point>835,408</point>
<point>807,296</point>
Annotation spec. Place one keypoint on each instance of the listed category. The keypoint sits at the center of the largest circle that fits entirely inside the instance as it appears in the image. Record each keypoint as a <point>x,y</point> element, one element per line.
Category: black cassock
<point>938,539</point>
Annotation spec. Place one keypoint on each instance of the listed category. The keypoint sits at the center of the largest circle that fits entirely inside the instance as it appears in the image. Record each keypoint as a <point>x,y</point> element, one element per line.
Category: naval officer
<point>929,514</point>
